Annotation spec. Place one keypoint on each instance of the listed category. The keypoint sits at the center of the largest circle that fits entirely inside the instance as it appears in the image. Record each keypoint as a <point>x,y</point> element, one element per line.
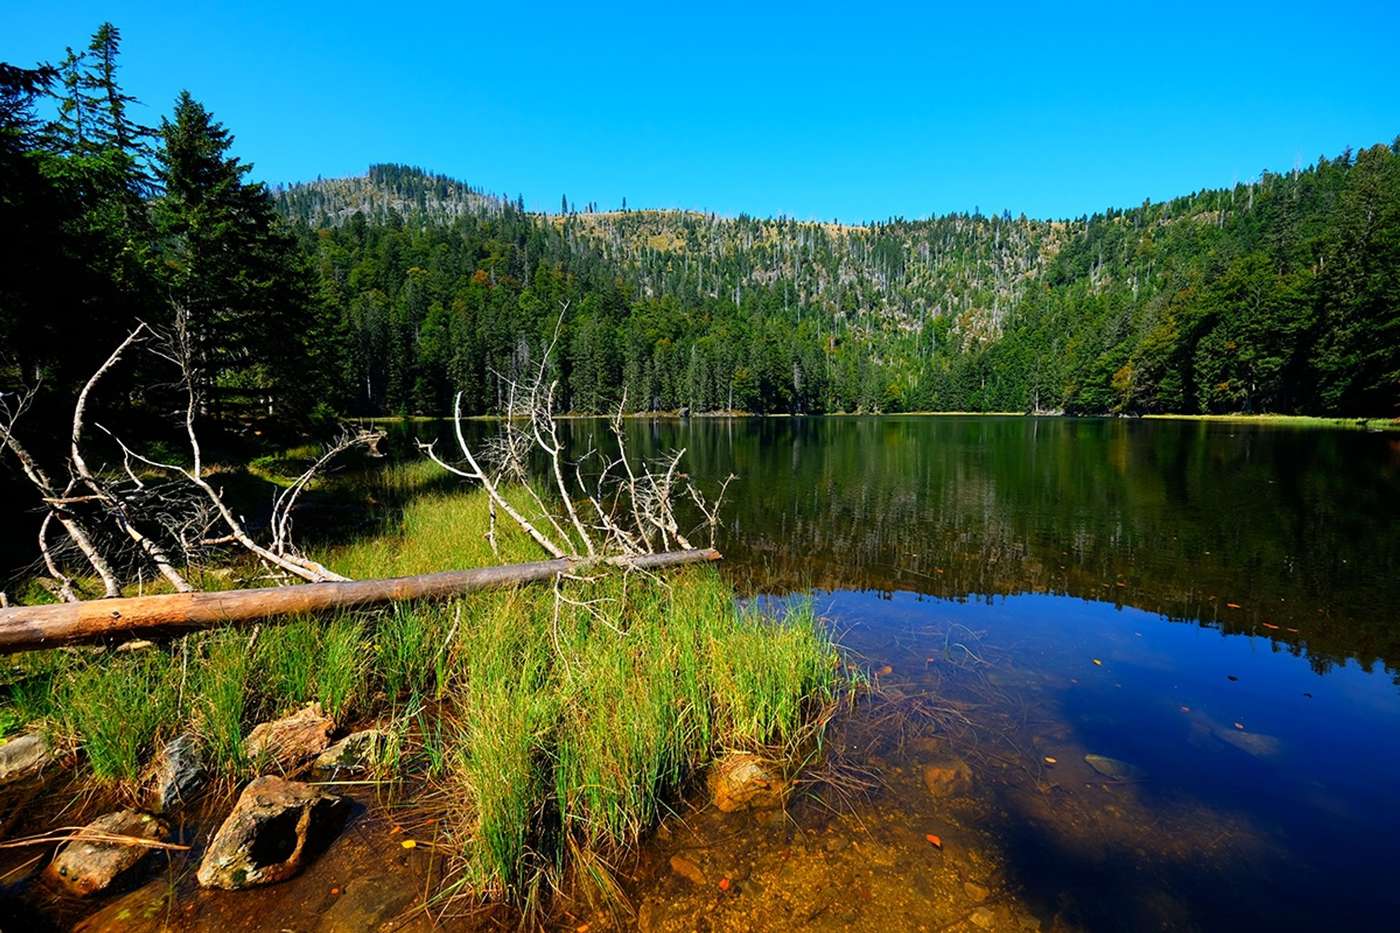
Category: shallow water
<point>1209,606</point>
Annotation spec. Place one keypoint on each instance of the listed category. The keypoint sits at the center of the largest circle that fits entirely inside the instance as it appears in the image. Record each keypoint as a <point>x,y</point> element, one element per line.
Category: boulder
<point>275,826</point>
<point>174,777</point>
<point>354,753</point>
<point>948,778</point>
<point>740,781</point>
<point>289,741</point>
<point>86,866</point>
<point>23,757</point>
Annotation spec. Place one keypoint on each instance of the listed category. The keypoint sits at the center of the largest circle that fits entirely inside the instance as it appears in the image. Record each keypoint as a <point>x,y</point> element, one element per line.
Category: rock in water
<point>174,777</point>
<point>86,866</point>
<point>688,869</point>
<point>948,778</point>
<point>291,740</point>
<point>272,830</point>
<point>1112,767</point>
<point>23,756</point>
<point>356,752</point>
<point>740,781</point>
<point>1254,743</point>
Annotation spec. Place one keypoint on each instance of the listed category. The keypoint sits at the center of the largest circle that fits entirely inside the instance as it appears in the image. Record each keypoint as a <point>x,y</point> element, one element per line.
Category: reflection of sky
<point>1324,766</point>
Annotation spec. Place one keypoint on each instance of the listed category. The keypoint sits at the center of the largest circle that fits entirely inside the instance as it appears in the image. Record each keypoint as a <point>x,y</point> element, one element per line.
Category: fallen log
<point>28,628</point>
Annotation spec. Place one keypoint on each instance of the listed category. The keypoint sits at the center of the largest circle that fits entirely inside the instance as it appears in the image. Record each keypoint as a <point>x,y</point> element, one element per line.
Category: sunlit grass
<point>560,720</point>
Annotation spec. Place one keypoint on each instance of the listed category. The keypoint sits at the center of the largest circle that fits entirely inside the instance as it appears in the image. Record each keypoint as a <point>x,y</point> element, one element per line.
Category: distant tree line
<point>392,292</point>
<point>1281,295</point>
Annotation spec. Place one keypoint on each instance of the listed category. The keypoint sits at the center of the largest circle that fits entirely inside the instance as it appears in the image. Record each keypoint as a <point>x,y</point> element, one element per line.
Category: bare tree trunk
<point>116,506</point>
<point>68,520</point>
<point>26,628</point>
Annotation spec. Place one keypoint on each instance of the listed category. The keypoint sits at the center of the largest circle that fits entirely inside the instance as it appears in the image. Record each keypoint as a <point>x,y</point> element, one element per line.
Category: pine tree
<point>229,264</point>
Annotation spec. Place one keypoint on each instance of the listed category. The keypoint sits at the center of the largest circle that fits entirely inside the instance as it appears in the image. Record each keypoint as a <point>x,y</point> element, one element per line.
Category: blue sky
<point>856,111</point>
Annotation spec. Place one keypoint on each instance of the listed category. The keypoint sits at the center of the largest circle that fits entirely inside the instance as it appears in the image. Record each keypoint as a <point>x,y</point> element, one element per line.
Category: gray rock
<point>273,829</point>
<point>87,866</point>
<point>174,777</point>
<point>740,781</point>
<point>23,757</point>
<point>354,753</point>
<point>289,741</point>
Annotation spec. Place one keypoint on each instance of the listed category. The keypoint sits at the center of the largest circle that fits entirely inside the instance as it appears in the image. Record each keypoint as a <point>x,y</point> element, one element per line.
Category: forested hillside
<point>1280,295</point>
<point>390,292</point>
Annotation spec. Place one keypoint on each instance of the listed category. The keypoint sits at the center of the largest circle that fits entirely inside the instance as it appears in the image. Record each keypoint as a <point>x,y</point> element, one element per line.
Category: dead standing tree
<point>627,509</point>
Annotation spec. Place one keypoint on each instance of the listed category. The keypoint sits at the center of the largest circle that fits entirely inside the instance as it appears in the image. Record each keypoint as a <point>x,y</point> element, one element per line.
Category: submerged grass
<point>558,720</point>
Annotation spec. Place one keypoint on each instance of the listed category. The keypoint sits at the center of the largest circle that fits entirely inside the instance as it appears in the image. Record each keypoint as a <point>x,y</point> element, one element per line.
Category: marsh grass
<point>555,725</point>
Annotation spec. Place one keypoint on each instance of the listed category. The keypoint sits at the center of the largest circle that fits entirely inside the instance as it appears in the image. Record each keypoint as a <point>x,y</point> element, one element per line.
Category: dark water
<point>1213,606</point>
<point>1206,610</point>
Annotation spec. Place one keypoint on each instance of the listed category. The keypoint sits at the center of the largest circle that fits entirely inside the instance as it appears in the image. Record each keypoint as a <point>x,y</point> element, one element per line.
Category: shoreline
<point>1378,425</point>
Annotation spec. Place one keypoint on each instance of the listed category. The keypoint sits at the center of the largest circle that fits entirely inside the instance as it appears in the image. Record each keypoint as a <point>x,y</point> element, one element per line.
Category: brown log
<point>27,628</point>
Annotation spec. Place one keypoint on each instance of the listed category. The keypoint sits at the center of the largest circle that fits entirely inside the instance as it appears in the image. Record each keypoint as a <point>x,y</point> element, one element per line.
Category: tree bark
<point>27,628</point>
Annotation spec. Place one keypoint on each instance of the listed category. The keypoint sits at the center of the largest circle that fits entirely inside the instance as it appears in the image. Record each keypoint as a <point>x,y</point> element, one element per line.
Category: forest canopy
<point>389,293</point>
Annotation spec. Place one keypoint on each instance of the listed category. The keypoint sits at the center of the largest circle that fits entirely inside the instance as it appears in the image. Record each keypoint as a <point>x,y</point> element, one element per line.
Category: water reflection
<point>1017,576</point>
<point>1299,529</point>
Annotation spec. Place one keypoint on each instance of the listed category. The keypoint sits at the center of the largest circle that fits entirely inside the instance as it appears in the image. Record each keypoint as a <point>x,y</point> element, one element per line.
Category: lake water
<point>1127,675</point>
<point>1211,607</point>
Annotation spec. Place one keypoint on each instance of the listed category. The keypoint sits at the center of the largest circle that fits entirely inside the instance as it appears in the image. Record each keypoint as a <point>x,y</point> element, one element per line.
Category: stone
<point>174,777</point>
<point>740,781</point>
<point>354,753</point>
<point>977,892</point>
<point>291,740</point>
<point>1112,767</point>
<point>983,918</point>
<point>1254,743</point>
<point>948,778</point>
<point>85,867</point>
<point>145,910</point>
<point>688,869</point>
<point>274,828</point>
<point>23,757</point>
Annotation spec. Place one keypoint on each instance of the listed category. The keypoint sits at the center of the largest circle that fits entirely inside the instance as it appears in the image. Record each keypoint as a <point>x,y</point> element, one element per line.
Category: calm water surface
<point>1211,606</point>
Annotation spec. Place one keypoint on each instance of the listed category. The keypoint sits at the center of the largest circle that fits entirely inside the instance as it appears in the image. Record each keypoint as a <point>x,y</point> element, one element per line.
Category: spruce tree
<point>230,265</point>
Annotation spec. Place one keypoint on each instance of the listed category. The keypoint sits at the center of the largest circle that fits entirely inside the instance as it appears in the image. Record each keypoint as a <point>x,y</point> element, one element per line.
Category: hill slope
<point>1278,295</point>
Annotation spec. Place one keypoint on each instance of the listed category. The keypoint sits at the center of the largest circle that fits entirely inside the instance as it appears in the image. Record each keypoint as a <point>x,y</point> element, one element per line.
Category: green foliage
<point>118,707</point>
<point>1278,295</point>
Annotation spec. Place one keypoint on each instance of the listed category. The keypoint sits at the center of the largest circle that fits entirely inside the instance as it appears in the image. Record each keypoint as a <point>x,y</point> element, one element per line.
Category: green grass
<point>560,727</point>
<point>1293,421</point>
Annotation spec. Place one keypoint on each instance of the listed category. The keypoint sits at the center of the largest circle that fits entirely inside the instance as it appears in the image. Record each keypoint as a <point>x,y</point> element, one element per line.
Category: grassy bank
<point>1292,421</point>
<point>558,723</point>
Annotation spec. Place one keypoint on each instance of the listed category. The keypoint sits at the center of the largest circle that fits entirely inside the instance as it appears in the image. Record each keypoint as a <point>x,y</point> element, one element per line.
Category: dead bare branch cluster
<point>145,513</point>
<point>599,505</point>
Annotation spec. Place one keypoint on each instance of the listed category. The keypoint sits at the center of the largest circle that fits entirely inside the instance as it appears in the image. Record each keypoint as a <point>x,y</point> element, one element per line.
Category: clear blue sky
<point>857,111</point>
